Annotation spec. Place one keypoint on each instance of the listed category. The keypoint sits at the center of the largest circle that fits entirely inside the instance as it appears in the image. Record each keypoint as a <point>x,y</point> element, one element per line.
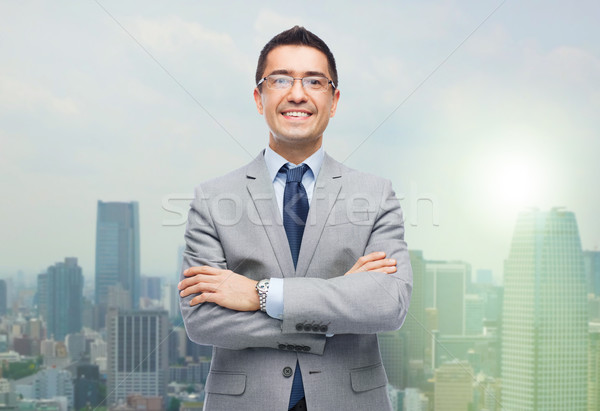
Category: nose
<point>297,94</point>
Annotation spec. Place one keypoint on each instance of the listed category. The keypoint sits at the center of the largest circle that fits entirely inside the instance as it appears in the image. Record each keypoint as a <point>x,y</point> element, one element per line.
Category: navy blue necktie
<point>295,211</point>
<point>295,208</point>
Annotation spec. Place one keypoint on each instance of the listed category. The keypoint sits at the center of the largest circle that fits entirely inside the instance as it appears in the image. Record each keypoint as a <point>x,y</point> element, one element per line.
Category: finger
<point>190,281</point>
<point>374,256</point>
<point>199,299</point>
<point>199,288</point>
<point>373,265</point>
<point>203,269</point>
<point>387,270</point>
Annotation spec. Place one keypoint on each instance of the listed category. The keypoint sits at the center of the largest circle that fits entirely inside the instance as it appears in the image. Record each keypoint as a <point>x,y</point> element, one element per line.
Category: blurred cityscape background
<point>482,113</point>
<point>467,343</point>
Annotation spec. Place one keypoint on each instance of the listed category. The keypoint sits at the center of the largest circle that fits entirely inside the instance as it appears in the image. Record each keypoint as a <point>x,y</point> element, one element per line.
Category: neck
<point>295,154</point>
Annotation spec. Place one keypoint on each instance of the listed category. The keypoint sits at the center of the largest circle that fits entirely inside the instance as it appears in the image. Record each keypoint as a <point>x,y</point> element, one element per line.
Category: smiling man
<point>294,262</point>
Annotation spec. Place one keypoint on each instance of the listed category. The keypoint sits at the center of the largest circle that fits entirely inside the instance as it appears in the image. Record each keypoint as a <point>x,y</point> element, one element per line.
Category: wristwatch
<point>262,287</point>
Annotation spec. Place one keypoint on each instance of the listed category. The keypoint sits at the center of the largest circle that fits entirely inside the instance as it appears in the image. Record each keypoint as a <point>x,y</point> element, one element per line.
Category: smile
<point>296,114</point>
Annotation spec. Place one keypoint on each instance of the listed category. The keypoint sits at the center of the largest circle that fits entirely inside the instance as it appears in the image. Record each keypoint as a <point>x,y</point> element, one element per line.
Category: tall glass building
<point>60,294</point>
<point>117,251</point>
<point>545,331</point>
<point>446,284</point>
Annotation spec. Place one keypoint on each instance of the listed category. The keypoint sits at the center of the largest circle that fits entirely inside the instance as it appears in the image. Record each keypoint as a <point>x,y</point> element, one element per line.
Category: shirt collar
<point>274,162</point>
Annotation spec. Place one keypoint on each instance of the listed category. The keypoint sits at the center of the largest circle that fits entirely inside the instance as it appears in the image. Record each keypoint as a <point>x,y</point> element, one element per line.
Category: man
<point>268,246</point>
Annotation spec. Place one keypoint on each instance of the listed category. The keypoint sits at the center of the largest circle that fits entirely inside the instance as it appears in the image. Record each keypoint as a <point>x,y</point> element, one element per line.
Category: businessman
<point>294,262</point>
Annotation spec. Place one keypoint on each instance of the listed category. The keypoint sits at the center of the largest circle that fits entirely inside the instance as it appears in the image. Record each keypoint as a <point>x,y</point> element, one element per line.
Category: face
<point>296,117</point>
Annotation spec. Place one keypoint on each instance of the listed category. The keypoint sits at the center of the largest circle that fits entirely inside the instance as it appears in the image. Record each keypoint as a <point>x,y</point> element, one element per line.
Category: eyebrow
<point>304,74</point>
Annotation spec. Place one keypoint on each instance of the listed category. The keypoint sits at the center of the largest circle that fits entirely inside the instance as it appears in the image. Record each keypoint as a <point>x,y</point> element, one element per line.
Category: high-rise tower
<point>117,251</point>
<point>137,353</point>
<point>446,285</point>
<point>545,331</point>
<point>61,290</point>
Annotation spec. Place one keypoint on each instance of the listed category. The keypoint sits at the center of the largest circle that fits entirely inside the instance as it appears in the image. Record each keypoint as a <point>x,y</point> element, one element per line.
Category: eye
<point>280,81</point>
<point>315,82</point>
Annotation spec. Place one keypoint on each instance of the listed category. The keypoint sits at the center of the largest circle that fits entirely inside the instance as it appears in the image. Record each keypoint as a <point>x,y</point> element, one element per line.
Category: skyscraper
<point>3,297</point>
<point>414,325</point>
<point>414,328</point>
<point>445,288</point>
<point>117,251</point>
<point>137,348</point>
<point>545,330</point>
<point>474,314</point>
<point>61,291</point>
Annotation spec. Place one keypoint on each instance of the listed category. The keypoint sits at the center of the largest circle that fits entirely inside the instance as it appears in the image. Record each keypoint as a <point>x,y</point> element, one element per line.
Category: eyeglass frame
<point>294,79</point>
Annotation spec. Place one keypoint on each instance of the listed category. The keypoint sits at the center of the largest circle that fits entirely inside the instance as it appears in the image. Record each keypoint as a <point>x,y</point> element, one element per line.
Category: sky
<point>475,110</point>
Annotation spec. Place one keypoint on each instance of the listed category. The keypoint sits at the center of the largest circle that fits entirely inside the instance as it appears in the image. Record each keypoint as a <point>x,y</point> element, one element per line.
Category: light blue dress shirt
<point>274,163</point>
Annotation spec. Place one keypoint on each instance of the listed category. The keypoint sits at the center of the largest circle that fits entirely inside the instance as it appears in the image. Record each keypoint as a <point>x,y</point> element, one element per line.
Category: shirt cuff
<point>275,298</point>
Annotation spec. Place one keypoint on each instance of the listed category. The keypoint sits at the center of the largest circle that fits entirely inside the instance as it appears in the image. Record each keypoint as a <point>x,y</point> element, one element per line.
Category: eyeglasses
<point>283,82</point>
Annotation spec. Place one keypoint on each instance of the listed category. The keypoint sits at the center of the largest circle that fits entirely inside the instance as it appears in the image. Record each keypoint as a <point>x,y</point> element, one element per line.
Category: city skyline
<point>447,354</point>
<point>486,116</point>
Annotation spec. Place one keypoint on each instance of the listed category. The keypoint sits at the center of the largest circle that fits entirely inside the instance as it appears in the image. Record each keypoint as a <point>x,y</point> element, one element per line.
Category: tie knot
<point>295,174</point>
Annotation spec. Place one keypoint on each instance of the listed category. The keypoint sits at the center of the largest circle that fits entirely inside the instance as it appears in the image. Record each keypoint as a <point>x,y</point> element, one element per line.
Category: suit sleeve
<point>211,324</point>
<point>359,303</point>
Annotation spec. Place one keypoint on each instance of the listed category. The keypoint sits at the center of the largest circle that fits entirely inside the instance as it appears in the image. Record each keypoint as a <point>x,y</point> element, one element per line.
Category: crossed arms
<point>220,306</point>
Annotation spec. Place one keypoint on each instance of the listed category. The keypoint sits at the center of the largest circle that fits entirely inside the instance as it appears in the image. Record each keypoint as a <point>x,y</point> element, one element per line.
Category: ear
<point>258,100</point>
<point>336,98</point>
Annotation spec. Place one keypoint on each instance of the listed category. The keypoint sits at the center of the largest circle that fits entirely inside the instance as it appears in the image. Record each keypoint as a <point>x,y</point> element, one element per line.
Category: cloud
<point>176,36</point>
<point>16,95</point>
<point>268,23</point>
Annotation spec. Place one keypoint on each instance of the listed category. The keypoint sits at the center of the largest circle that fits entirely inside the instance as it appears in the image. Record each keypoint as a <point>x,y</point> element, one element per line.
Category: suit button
<point>323,328</point>
<point>307,327</point>
<point>306,348</point>
<point>282,346</point>
<point>299,327</point>
<point>287,372</point>
<point>315,328</point>
<point>290,347</point>
<point>298,348</point>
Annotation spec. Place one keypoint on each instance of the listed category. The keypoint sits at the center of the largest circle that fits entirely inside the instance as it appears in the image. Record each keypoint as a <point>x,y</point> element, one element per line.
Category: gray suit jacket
<point>235,223</point>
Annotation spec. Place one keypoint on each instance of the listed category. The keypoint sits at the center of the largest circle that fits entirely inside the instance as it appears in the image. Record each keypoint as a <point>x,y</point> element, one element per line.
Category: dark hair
<point>296,36</point>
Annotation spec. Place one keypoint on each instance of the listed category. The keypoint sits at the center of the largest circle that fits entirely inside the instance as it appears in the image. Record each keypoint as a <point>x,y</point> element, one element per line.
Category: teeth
<point>297,114</point>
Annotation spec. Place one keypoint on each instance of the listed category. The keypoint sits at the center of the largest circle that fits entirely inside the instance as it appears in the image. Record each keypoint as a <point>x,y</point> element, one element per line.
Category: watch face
<point>262,285</point>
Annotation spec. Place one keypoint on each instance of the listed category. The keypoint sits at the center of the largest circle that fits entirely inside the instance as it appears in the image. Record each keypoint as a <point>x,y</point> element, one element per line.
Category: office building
<point>87,387</point>
<point>137,353</point>
<point>481,351</point>
<point>150,287</point>
<point>414,325</point>
<point>474,314</point>
<point>445,289</point>
<point>484,276</point>
<point>545,329</point>
<point>3,297</point>
<point>117,252</point>
<point>53,382</point>
<point>453,386</point>
<point>60,295</point>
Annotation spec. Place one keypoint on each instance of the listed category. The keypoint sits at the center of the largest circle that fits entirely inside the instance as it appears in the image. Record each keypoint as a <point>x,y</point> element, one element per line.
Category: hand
<point>222,287</point>
<point>374,262</point>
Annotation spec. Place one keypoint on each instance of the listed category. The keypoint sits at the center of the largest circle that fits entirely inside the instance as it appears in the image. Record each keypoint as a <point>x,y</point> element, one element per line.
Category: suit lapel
<point>327,188</point>
<point>261,190</point>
